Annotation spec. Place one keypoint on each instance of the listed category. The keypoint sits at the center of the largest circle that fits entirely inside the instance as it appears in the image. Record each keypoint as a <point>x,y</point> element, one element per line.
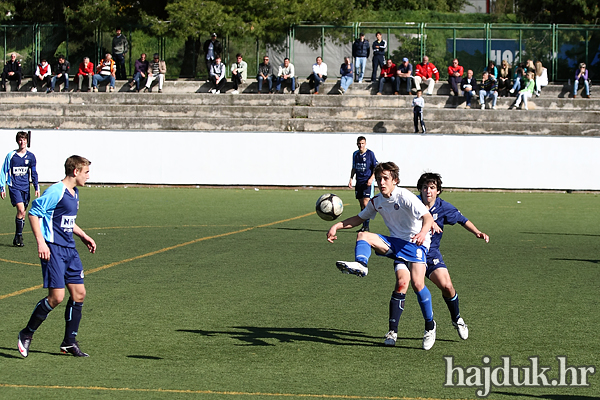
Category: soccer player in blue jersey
<point>430,186</point>
<point>409,223</point>
<point>17,170</point>
<point>52,219</point>
<point>363,165</point>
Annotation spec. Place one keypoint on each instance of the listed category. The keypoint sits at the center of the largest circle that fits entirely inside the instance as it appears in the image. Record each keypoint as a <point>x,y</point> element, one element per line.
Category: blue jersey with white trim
<point>363,165</point>
<point>17,170</point>
<point>444,213</point>
<point>57,210</point>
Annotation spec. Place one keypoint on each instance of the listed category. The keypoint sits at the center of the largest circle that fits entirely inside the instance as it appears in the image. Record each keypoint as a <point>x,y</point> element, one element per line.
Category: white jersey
<point>402,213</point>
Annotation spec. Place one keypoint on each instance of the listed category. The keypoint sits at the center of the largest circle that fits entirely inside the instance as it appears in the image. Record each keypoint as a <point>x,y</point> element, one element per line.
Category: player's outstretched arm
<point>43,250</point>
<point>473,229</point>
<point>88,241</point>
<point>345,224</point>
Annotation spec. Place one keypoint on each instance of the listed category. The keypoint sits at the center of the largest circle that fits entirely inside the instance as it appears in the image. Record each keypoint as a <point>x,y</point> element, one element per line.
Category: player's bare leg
<point>365,241</point>
<point>417,275</point>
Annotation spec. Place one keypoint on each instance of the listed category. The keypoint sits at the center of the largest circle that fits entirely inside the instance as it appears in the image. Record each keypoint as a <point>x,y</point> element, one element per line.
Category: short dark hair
<point>378,33</point>
<point>75,162</point>
<point>22,134</point>
<point>238,55</point>
<point>156,55</point>
<point>430,177</point>
<point>361,138</point>
<point>61,56</point>
<point>286,59</point>
<point>388,166</point>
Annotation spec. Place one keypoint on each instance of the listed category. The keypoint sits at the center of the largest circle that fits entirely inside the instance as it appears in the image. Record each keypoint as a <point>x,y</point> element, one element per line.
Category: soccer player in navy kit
<point>18,168</point>
<point>363,165</point>
<point>409,223</point>
<point>430,186</point>
<point>52,219</point>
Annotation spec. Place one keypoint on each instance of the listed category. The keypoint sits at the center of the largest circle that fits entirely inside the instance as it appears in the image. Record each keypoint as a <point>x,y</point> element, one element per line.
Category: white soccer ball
<point>329,207</point>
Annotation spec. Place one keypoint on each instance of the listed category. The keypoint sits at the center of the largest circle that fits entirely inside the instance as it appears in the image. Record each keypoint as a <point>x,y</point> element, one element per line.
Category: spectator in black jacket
<point>12,71</point>
<point>361,51</point>
<point>61,74</point>
<point>265,73</point>
<point>212,48</point>
<point>469,87</point>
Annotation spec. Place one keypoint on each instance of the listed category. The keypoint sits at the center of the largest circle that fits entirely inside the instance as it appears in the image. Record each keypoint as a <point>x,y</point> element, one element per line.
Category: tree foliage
<point>559,11</point>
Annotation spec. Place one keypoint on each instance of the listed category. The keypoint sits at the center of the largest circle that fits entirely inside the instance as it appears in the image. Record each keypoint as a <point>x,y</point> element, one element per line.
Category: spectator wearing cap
<point>361,51</point>
<point>212,49</point>
<point>61,74</point>
<point>120,47</point>
<point>404,75</point>
<point>157,69</point>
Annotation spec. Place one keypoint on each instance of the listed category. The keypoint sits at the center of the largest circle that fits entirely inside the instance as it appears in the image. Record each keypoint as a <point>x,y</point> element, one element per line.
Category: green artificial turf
<point>234,294</point>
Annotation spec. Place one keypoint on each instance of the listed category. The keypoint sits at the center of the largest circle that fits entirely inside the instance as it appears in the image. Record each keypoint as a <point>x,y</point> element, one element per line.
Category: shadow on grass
<point>14,349</point>
<point>547,396</point>
<point>576,259</point>
<point>145,357</point>
<point>561,234</point>
<point>263,336</point>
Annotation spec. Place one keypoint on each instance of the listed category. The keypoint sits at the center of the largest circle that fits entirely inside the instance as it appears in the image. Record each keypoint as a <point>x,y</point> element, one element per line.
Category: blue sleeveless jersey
<point>16,170</point>
<point>57,210</point>
<point>363,164</point>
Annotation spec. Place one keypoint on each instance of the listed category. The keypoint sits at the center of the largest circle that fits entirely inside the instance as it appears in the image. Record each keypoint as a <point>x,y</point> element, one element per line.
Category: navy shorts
<point>18,196</point>
<point>434,261</point>
<point>362,190</point>
<point>64,266</point>
<point>403,250</point>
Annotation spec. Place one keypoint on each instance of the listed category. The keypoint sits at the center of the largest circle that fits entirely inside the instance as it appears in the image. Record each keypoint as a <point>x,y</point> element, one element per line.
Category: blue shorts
<point>403,250</point>
<point>18,196</point>
<point>362,191</point>
<point>64,266</point>
<point>434,261</point>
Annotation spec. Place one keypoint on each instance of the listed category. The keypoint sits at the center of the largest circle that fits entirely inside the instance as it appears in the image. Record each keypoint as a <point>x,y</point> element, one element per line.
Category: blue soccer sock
<point>424,299</point>
<point>72,320</point>
<point>396,308</point>
<point>362,252</point>
<point>39,315</point>
<point>453,307</point>
<point>20,224</point>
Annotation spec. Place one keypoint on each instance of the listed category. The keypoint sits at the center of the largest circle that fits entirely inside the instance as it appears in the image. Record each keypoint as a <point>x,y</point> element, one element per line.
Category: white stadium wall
<point>315,159</point>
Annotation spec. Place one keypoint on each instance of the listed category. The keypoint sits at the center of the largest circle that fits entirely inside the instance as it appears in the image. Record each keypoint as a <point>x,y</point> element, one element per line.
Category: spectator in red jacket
<point>388,74</point>
<point>426,72</point>
<point>86,69</point>
<point>455,75</point>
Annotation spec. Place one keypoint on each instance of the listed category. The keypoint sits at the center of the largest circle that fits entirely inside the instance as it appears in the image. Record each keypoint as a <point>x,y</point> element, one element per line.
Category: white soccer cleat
<point>352,267</point>
<point>461,328</point>
<point>390,338</point>
<point>429,338</point>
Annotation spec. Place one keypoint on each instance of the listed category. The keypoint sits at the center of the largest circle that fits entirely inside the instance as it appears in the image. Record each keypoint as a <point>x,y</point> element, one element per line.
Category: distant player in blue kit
<point>430,186</point>
<point>17,170</point>
<point>363,165</point>
<point>52,219</point>
<point>409,223</point>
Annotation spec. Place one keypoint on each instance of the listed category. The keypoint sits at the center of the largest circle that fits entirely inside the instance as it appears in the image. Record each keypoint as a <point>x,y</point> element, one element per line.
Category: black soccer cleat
<point>73,349</point>
<point>18,241</point>
<point>24,343</point>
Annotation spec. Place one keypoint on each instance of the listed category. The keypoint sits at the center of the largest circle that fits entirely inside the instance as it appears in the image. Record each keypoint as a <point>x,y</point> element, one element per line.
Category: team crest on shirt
<point>436,261</point>
<point>26,162</point>
<point>396,206</point>
<point>434,216</point>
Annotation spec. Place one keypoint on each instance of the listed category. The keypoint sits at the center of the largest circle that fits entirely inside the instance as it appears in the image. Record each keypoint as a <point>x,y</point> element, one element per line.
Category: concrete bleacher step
<point>358,111</point>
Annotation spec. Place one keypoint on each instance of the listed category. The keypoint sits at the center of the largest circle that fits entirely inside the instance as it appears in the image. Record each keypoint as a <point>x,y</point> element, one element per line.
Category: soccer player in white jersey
<point>18,169</point>
<point>52,217</point>
<point>409,223</point>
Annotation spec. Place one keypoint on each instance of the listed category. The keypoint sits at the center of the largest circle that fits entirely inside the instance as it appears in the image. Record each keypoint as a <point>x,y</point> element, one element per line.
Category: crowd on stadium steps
<point>522,81</point>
